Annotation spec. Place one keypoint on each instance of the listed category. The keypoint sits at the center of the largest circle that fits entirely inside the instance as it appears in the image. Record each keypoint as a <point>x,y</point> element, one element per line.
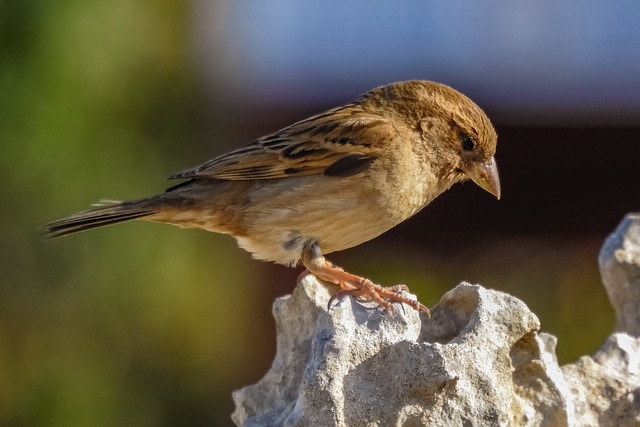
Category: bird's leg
<point>353,285</point>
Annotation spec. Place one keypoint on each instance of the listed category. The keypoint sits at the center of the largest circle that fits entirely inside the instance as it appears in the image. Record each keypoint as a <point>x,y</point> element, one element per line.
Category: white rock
<point>620,269</point>
<point>480,361</point>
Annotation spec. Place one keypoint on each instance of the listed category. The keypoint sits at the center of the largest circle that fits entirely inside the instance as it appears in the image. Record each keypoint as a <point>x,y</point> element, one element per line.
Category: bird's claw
<point>384,297</point>
<point>339,295</point>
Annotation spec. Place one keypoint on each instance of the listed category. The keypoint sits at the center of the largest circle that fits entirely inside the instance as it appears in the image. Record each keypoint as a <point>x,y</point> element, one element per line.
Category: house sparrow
<point>329,182</point>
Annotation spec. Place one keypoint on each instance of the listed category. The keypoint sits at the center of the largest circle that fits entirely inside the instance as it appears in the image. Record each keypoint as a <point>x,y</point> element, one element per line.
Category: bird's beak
<point>486,176</point>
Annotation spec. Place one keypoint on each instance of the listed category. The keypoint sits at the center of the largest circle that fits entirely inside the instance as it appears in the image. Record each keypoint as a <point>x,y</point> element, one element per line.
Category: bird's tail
<point>106,212</point>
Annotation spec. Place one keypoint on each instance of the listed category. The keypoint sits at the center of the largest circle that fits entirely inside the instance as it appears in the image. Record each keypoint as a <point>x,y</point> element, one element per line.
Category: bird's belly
<point>335,218</point>
<point>283,244</point>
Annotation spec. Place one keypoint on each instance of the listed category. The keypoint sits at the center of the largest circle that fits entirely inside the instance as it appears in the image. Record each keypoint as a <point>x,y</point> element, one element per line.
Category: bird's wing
<point>339,142</point>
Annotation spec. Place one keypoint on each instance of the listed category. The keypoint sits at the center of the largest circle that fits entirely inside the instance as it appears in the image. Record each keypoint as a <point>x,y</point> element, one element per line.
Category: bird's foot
<point>360,287</point>
<point>353,285</point>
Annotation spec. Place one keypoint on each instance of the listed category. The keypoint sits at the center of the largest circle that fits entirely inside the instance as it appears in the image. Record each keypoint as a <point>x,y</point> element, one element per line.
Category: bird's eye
<point>468,144</point>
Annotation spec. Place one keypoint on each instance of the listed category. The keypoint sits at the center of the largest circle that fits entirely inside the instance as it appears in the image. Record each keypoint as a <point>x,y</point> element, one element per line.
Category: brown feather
<point>305,148</point>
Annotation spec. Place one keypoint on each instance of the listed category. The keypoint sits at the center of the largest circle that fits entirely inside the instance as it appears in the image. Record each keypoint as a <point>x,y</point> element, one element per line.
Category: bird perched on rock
<point>329,182</point>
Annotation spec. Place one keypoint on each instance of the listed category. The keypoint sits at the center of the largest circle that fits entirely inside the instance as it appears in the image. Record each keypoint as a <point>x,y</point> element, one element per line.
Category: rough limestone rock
<point>480,361</point>
<point>620,268</point>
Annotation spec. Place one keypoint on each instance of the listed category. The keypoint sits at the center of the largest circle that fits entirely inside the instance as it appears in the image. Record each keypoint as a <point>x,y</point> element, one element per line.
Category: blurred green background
<point>146,324</point>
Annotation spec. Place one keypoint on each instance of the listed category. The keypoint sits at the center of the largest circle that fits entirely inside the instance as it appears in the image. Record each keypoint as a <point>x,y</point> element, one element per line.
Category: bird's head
<point>458,133</point>
<point>472,146</point>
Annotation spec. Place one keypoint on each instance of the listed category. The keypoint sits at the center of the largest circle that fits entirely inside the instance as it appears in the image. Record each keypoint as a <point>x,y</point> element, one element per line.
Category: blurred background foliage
<point>147,324</point>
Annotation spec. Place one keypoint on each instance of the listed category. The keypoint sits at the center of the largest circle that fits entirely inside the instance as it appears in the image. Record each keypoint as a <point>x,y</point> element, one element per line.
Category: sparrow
<point>327,183</point>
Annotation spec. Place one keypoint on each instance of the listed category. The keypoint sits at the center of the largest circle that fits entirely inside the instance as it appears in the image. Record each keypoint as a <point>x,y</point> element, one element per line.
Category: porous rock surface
<point>480,360</point>
<point>620,268</point>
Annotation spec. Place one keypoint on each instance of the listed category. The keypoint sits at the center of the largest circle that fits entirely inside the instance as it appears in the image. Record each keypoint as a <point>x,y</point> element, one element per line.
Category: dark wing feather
<point>308,147</point>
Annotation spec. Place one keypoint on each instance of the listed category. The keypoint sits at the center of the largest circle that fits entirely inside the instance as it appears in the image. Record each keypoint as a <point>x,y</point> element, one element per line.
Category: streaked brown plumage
<point>328,183</point>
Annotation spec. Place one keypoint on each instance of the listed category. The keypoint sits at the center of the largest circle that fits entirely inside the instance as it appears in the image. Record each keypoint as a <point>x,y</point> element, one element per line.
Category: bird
<point>327,183</point>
